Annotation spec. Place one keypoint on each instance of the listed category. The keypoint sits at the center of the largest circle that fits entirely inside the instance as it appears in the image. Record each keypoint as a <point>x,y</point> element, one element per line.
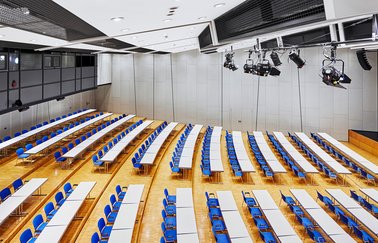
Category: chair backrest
<point>58,197</point>
<point>100,154</point>
<point>344,219</point>
<point>39,141</point>
<point>26,236</point>
<point>19,151</point>
<point>29,146</point>
<point>112,199</point>
<point>45,138</point>
<point>94,158</point>
<point>70,146</point>
<point>118,189</point>
<point>57,155</point>
<point>106,149</point>
<point>64,150</point>
<point>67,187</point>
<point>107,210</point>
<point>17,134</point>
<point>5,193</point>
<point>37,221</point>
<point>24,131</point>
<point>357,232</point>
<point>354,195</point>
<point>77,141</point>
<point>48,208</point>
<point>166,192</point>
<point>17,184</point>
<point>101,224</point>
<point>95,238</point>
<point>163,214</point>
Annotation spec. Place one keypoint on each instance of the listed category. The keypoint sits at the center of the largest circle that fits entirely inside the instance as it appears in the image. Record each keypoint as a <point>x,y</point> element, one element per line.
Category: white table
<point>66,213</point>
<point>368,165</point>
<point>216,164</point>
<point>52,234</point>
<point>126,216</point>
<point>304,199</point>
<point>113,153</point>
<point>326,158</point>
<point>186,221</point>
<point>279,223</point>
<point>264,199</point>
<point>73,153</point>
<point>241,153</point>
<point>355,209</point>
<point>290,239</point>
<point>31,133</point>
<point>188,238</point>
<point>133,194</point>
<point>186,159</point>
<point>81,191</point>
<point>184,198</point>
<point>30,187</point>
<point>37,149</point>
<point>153,150</point>
<point>371,193</point>
<point>226,201</point>
<point>298,158</point>
<point>235,225</point>
<point>121,236</point>
<point>267,153</point>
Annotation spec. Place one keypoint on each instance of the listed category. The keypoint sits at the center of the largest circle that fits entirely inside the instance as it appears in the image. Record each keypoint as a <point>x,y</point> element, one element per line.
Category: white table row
<point>268,154</point>
<point>216,164</point>
<point>65,134</point>
<point>76,151</point>
<point>153,150</point>
<point>113,153</point>
<point>241,153</point>
<point>371,193</point>
<point>18,198</point>
<point>57,226</point>
<point>31,133</point>
<point>280,225</point>
<point>373,168</point>
<point>325,222</point>
<point>355,209</point>
<point>124,224</point>
<point>186,159</point>
<point>324,156</point>
<point>235,225</point>
<point>298,158</point>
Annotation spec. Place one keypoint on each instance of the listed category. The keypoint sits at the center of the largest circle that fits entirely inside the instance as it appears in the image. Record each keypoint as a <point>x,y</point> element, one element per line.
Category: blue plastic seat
<point>109,214</point>
<point>5,193</point>
<point>68,189</point>
<point>38,224</point>
<point>49,210</point>
<point>27,237</point>
<point>17,184</point>
<point>363,235</point>
<point>115,204</point>
<point>58,157</point>
<point>169,209</point>
<point>59,199</point>
<point>170,222</point>
<point>104,230</point>
<point>21,155</point>
<point>267,236</point>
<point>170,198</point>
<point>169,235</point>
<point>120,194</point>
<point>250,201</point>
<point>315,236</point>
<point>96,238</point>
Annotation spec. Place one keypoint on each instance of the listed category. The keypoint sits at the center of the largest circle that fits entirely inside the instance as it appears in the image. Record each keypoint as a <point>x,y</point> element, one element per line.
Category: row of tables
<point>113,153</point>
<point>299,159</point>
<point>371,167</point>
<point>124,224</point>
<point>370,193</point>
<point>186,159</point>
<point>281,227</point>
<point>185,216</point>
<point>324,156</point>
<point>37,149</point>
<point>57,226</point>
<point>216,164</point>
<point>268,154</point>
<point>79,149</point>
<point>16,200</point>
<point>15,140</point>
<point>236,228</point>
<point>322,219</point>
<point>355,209</point>
<point>153,150</point>
<point>241,153</point>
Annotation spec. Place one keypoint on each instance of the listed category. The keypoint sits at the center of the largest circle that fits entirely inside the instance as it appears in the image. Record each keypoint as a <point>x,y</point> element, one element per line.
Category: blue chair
<point>211,200</point>
<point>68,189</point>
<point>169,209</point>
<point>45,138</point>
<point>49,210</point>
<point>113,201</point>
<point>305,222</point>
<point>27,237</point>
<point>39,141</point>
<point>221,237</point>
<point>97,163</point>
<point>363,235</point>
<point>250,201</point>
<point>255,212</point>
<point>169,235</point>
<point>5,193</point>
<point>261,223</point>
<point>6,138</point>
<point>109,215</point>
<point>96,238</point>
<point>58,157</point>
<point>71,146</point>
<point>104,230</point>
<point>288,200</point>
<point>315,236</point>
<point>120,194</point>
<point>28,146</point>
<point>17,184</point>
<point>64,150</point>
<point>24,131</point>
<point>218,225</point>
<point>38,224</point>
<point>21,155</point>
<point>170,222</point>
<point>17,134</point>
<point>326,200</point>
<point>268,237</point>
<point>170,198</point>
<point>59,199</point>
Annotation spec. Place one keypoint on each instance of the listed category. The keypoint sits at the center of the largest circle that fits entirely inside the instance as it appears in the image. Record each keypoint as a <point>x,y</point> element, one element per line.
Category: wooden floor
<point>149,218</point>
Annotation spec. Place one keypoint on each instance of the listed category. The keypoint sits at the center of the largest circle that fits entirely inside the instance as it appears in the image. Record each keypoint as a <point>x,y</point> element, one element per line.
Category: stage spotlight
<point>229,63</point>
<point>333,77</point>
<point>274,71</point>
<point>275,59</point>
<point>249,67</point>
<point>294,56</point>
<point>362,59</point>
<point>263,68</point>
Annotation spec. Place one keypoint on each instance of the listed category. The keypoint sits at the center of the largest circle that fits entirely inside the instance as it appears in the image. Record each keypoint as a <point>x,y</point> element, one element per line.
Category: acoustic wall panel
<point>51,90</point>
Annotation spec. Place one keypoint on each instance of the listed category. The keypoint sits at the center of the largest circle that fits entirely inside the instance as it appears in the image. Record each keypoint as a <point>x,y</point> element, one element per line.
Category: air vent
<point>205,38</point>
<point>358,29</point>
<point>320,35</point>
<point>269,44</point>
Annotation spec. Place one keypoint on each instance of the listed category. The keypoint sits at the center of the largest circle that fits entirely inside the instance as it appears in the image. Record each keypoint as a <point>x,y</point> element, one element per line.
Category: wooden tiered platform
<point>365,140</point>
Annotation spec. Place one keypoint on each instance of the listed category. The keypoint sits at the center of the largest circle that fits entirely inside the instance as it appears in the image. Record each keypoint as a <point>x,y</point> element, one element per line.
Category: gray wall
<point>204,92</point>
<point>16,121</point>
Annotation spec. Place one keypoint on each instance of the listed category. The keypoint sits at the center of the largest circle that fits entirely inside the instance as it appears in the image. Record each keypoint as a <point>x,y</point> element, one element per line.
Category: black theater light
<point>275,59</point>
<point>229,62</point>
<point>294,56</point>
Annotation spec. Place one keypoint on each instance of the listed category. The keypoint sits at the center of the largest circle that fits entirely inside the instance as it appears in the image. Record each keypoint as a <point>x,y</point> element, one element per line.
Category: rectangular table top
<point>81,191</point>
<point>133,194</point>
<point>186,221</point>
<point>264,199</point>
<point>226,201</point>
<point>121,236</point>
<point>30,187</point>
<point>184,198</point>
<point>371,193</point>
<point>126,216</point>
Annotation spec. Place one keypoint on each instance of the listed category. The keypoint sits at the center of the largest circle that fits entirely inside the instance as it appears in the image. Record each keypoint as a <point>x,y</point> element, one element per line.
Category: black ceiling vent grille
<point>269,44</point>
<point>314,36</point>
<point>358,29</point>
<point>161,52</point>
<point>141,50</point>
<point>204,38</point>
<point>255,17</point>
<point>111,43</point>
<point>5,45</point>
<point>45,17</point>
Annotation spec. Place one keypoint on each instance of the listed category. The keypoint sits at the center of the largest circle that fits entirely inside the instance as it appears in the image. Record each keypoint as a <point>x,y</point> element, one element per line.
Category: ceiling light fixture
<point>25,11</point>
<point>117,19</point>
<point>229,62</point>
<point>294,56</point>
<point>219,5</point>
<point>167,20</point>
<point>125,30</point>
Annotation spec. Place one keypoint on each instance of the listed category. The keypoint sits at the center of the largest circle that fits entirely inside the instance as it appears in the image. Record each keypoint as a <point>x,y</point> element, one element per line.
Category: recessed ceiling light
<point>117,19</point>
<point>25,11</point>
<point>218,5</point>
<point>202,18</point>
<point>125,30</point>
<point>167,20</point>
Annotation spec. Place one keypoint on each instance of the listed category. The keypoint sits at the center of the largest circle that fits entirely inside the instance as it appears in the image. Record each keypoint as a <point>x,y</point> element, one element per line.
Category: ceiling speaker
<point>362,59</point>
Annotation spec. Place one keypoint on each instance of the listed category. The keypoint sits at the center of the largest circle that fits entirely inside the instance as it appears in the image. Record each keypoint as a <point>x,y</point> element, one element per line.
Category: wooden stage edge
<point>363,142</point>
